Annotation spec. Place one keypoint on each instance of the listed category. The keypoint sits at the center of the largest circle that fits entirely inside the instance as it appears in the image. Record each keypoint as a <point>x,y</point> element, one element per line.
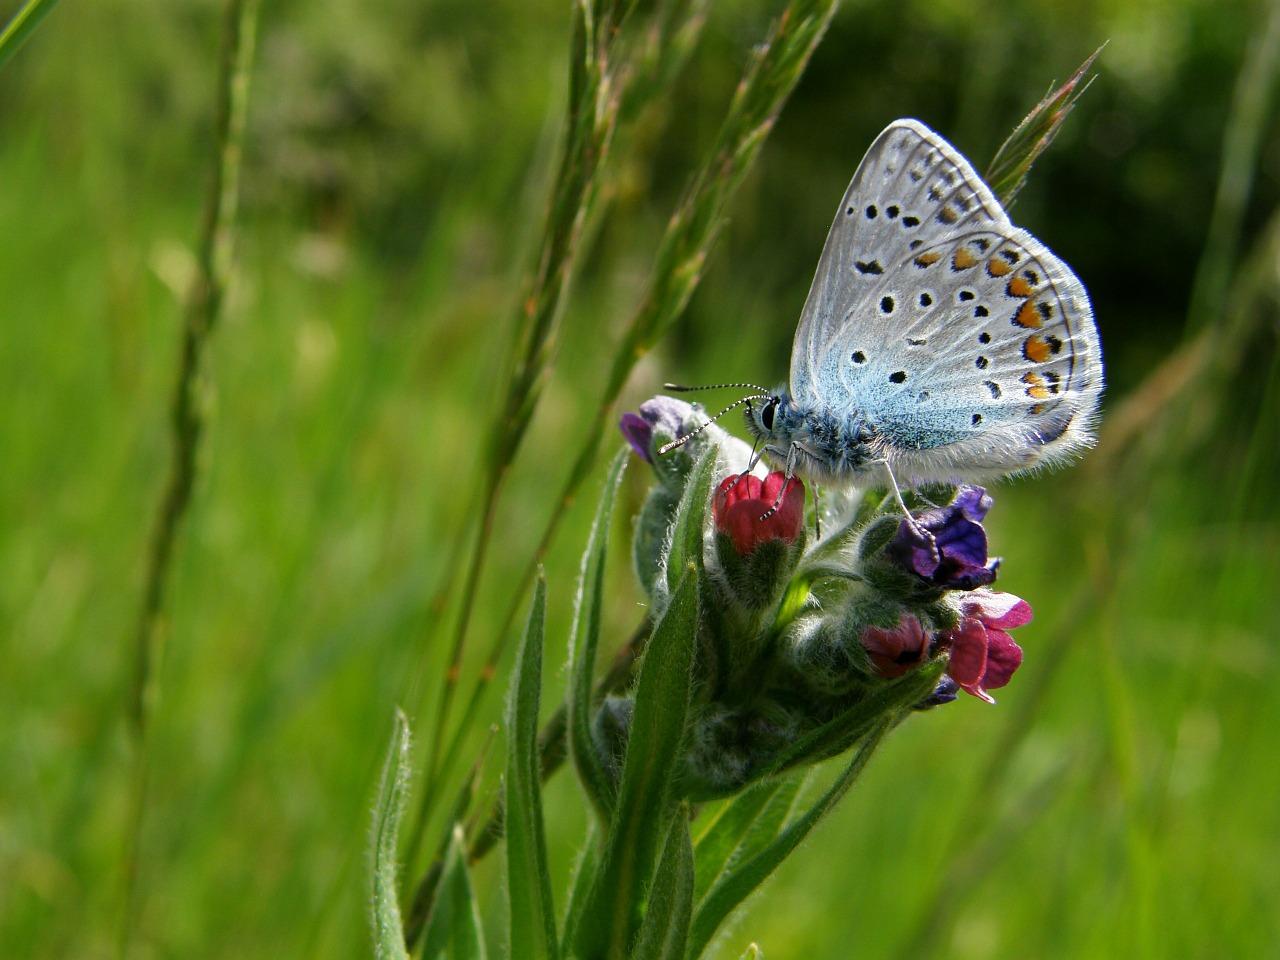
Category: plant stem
<point>187,416</point>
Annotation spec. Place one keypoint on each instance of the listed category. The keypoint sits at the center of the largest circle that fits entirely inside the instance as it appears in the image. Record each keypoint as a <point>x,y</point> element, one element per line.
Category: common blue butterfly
<point>938,339</point>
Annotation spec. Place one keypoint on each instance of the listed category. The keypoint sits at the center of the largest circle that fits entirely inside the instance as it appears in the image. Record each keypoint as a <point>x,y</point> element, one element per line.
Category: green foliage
<point>532,927</point>
<point>396,165</point>
<point>388,932</point>
<point>665,929</point>
<point>453,925</point>
<point>20,26</point>
<point>645,808</point>
<point>583,647</point>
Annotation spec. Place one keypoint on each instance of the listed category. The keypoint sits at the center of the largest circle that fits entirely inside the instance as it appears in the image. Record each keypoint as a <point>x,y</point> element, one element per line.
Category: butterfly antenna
<point>679,388</point>
<point>681,441</point>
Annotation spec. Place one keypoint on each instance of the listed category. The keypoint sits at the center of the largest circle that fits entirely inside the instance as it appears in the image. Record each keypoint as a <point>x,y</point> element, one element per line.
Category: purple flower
<point>983,655</point>
<point>954,554</point>
<point>663,416</point>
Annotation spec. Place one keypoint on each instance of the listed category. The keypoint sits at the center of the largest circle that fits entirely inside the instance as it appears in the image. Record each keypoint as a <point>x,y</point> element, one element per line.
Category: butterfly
<point>939,341</point>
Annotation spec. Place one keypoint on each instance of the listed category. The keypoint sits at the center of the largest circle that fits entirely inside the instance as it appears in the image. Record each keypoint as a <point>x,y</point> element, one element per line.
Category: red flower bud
<point>741,501</point>
<point>895,651</point>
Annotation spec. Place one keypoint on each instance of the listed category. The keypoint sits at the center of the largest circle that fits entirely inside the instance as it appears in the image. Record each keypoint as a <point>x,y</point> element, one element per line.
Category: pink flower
<point>983,655</point>
<point>895,651</point>
<point>741,501</point>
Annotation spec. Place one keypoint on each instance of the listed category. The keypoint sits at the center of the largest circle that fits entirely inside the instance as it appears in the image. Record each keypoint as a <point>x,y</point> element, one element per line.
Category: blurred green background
<point>1119,802</point>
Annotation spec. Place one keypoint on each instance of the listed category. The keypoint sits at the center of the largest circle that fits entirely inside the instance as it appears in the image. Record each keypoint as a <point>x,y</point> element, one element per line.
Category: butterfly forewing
<point>911,191</point>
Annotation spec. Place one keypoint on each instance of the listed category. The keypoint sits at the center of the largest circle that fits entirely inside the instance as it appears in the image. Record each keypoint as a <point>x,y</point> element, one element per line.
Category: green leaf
<point>746,824</point>
<point>739,883</point>
<point>584,643</point>
<point>453,927</point>
<point>643,813</point>
<point>688,528</point>
<point>532,924</point>
<point>882,701</point>
<point>21,25</point>
<point>753,952</point>
<point>393,789</point>
<point>584,875</point>
<point>665,929</point>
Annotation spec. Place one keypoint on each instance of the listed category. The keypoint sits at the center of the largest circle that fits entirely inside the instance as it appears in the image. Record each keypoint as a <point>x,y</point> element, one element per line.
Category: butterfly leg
<point>920,531</point>
<point>792,457</point>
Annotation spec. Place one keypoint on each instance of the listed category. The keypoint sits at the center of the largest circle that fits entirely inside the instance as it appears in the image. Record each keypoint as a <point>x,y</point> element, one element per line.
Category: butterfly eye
<point>766,414</point>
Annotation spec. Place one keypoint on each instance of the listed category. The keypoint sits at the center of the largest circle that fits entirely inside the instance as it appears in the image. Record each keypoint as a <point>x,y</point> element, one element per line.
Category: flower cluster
<point>805,644</point>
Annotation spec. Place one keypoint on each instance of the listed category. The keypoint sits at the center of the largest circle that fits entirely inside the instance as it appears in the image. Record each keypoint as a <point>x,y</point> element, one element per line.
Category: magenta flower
<point>983,655</point>
<point>741,501</point>
<point>895,651</point>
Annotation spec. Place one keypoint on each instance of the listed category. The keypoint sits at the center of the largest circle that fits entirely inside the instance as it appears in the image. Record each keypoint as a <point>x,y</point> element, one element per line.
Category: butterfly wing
<point>911,190</point>
<point>967,346</point>
<point>983,358</point>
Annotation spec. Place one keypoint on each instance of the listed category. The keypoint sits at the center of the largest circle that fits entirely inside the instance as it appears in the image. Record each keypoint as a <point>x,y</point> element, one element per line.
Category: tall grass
<point>312,574</point>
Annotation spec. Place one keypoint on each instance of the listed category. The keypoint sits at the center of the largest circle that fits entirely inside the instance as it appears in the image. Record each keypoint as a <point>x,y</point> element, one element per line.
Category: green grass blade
<point>388,931</point>
<point>532,921</point>
<point>584,643</point>
<point>453,927</point>
<point>643,812</point>
<point>749,821</point>
<point>21,25</point>
<point>665,929</point>
<point>741,882</point>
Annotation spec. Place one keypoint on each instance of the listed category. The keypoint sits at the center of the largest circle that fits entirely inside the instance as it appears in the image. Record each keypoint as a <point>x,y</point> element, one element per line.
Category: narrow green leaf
<point>584,875</point>
<point>393,789</point>
<point>748,822</point>
<point>584,643</point>
<point>21,25</point>
<point>883,701</point>
<point>453,927</point>
<point>741,882</point>
<point>665,929</point>
<point>688,528</point>
<point>643,812</point>
<point>532,924</point>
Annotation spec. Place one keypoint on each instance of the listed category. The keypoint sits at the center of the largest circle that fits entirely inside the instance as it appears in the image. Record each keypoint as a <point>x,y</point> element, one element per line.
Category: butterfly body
<point>938,338</point>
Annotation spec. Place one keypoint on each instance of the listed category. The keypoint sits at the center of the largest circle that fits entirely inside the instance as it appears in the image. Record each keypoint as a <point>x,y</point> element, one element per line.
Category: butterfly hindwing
<point>990,341</point>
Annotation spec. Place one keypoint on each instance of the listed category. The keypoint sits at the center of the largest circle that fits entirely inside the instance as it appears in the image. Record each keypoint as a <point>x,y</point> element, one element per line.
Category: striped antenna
<point>717,386</point>
<point>681,441</point>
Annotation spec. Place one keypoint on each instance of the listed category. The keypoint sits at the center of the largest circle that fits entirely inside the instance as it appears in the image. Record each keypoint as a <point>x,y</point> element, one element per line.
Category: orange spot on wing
<point>997,267</point>
<point>1028,316</point>
<point>1036,388</point>
<point>1036,348</point>
<point>948,215</point>
<point>1018,287</point>
<point>927,259</point>
<point>963,260</point>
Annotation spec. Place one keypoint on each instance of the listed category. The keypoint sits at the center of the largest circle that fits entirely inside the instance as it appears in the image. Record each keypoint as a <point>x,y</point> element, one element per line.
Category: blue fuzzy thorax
<point>829,448</point>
